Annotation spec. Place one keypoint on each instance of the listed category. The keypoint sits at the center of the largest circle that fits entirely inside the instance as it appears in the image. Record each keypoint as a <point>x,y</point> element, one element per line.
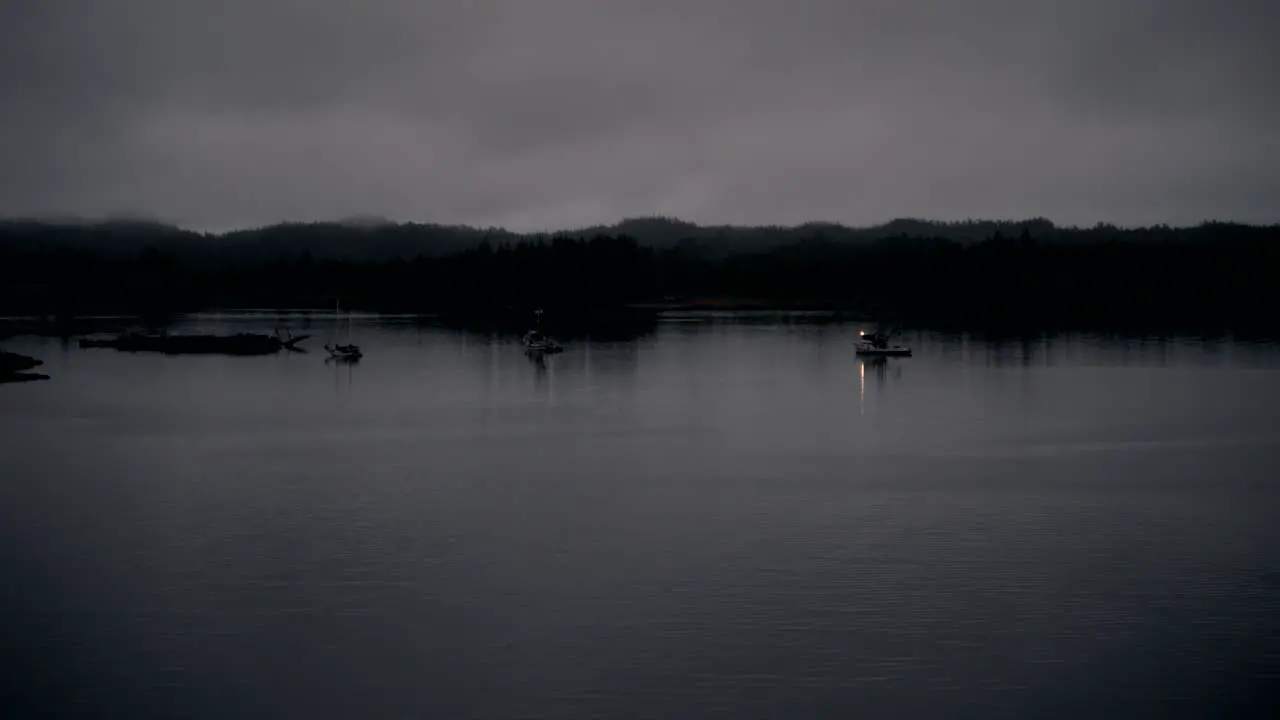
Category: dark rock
<point>13,363</point>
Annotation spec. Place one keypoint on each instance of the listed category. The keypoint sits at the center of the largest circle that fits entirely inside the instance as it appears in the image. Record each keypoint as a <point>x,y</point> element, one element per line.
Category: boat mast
<point>337,318</point>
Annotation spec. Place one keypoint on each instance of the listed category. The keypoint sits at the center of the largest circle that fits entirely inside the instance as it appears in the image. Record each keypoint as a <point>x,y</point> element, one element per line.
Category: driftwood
<point>238,344</point>
<point>12,366</point>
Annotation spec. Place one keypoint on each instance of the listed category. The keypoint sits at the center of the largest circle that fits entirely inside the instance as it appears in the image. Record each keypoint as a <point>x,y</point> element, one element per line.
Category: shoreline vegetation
<point>1030,275</point>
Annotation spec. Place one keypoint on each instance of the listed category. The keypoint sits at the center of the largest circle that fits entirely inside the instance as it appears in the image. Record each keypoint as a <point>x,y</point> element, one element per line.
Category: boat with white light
<point>877,344</point>
<point>538,342</point>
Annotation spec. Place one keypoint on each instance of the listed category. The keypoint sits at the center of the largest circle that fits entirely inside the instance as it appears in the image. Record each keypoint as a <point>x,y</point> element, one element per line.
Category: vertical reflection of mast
<point>551,382</point>
<point>862,388</point>
<point>492,347</point>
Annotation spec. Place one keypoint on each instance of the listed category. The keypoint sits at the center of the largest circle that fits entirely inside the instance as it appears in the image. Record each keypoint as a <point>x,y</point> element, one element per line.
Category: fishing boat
<point>537,341</point>
<point>347,352</point>
<point>877,344</point>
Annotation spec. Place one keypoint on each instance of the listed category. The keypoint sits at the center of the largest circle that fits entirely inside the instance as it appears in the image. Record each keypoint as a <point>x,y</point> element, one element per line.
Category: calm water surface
<point>715,519</point>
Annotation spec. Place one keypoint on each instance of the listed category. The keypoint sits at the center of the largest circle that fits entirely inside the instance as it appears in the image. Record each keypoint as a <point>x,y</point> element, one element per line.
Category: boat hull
<point>542,348</point>
<point>344,352</point>
<point>536,342</point>
<point>895,351</point>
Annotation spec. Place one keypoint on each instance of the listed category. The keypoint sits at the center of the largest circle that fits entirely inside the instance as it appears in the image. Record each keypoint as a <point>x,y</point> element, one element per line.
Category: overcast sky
<point>543,114</point>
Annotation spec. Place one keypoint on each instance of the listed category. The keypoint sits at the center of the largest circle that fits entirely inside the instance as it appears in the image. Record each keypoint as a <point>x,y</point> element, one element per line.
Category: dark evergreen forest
<point>979,273</point>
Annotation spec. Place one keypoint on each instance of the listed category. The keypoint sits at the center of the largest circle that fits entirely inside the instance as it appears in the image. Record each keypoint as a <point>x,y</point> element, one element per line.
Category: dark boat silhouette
<point>538,342</point>
<point>342,353</point>
<point>876,344</point>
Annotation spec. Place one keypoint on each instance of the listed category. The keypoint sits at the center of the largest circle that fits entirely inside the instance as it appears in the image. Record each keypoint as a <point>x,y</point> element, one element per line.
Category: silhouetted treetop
<point>373,239</point>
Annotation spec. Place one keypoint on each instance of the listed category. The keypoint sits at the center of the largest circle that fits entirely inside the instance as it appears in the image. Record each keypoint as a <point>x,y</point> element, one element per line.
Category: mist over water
<point>727,516</point>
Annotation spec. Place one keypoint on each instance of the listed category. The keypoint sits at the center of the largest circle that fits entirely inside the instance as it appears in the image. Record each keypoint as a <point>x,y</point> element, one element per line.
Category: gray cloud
<point>558,113</point>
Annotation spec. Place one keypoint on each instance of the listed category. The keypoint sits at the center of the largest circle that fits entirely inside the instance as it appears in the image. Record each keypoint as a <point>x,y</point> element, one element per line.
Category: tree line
<point>1031,273</point>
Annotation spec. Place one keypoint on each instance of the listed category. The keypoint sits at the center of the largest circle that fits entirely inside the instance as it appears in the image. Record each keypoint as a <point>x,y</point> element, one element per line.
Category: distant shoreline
<point>956,275</point>
<point>644,318</point>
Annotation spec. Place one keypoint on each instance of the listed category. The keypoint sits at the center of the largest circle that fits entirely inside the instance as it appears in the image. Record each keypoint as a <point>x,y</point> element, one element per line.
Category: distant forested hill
<point>375,240</point>
<point>964,272</point>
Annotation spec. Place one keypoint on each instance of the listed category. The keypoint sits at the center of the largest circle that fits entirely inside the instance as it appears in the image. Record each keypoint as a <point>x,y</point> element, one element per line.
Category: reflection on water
<point>701,516</point>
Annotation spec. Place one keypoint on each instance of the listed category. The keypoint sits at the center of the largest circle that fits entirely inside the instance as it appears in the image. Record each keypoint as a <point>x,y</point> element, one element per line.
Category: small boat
<point>877,344</point>
<point>348,352</point>
<point>536,341</point>
<point>892,350</point>
<point>345,352</point>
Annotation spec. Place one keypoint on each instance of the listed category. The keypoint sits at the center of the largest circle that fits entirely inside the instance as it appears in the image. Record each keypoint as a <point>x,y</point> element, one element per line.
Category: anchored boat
<point>348,352</point>
<point>537,341</point>
<point>877,344</point>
